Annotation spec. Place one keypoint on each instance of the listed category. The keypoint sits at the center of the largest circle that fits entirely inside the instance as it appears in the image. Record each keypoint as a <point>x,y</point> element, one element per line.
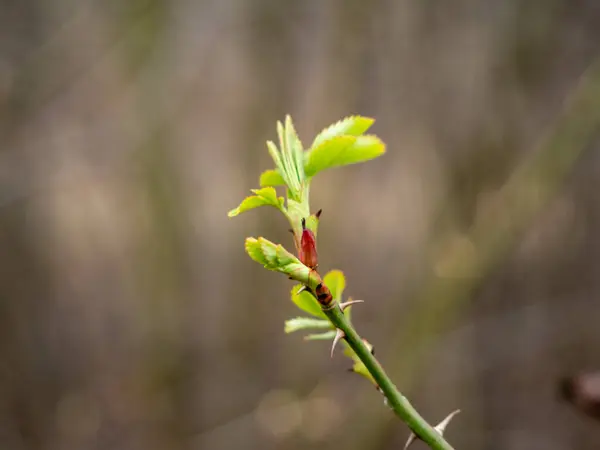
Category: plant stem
<point>399,404</point>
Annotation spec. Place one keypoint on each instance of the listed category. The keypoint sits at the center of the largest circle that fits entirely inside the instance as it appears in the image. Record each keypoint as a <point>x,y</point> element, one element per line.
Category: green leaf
<point>327,336</point>
<point>254,250</point>
<point>304,323</point>
<point>295,148</point>
<point>358,366</point>
<point>306,302</point>
<point>262,197</point>
<point>274,152</point>
<point>353,126</point>
<point>326,154</point>
<point>271,178</point>
<point>336,282</point>
<point>275,257</point>
<point>341,151</point>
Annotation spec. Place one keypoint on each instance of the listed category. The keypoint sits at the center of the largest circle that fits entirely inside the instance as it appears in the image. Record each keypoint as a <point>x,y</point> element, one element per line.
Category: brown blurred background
<point>130,316</point>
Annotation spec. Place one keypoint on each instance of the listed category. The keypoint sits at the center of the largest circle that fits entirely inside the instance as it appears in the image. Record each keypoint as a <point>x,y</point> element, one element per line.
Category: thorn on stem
<point>302,289</point>
<point>318,214</point>
<point>303,223</point>
<point>440,428</point>
<point>339,334</point>
<point>410,440</point>
<point>348,303</point>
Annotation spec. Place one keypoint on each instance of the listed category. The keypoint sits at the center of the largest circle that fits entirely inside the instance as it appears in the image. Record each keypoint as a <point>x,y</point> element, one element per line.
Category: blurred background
<point>130,316</point>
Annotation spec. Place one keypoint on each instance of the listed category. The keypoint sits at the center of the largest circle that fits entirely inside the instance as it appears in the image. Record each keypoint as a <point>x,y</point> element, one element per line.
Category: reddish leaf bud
<point>308,247</point>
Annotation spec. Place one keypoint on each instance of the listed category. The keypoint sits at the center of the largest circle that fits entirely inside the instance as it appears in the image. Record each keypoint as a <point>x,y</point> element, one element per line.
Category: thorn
<point>318,214</point>
<point>344,305</point>
<point>302,289</point>
<point>303,223</point>
<point>338,335</point>
<point>440,428</point>
<point>411,439</point>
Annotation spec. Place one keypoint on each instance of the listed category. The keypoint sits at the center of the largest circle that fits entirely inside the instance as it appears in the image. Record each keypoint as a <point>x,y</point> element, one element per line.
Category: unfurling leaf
<point>271,177</point>
<point>352,126</point>
<point>261,197</point>
<point>306,323</point>
<point>336,282</point>
<point>275,257</point>
<point>306,302</point>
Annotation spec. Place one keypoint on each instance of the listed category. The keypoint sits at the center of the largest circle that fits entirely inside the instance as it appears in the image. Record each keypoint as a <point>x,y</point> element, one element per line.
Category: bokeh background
<point>130,316</point>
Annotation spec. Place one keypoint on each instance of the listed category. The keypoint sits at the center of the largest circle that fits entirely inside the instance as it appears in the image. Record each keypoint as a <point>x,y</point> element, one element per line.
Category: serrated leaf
<point>306,323</point>
<point>327,336</point>
<point>271,177</point>
<point>342,151</point>
<point>326,154</point>
<point>352,126</point>
<point>261,197</point>
<point>306,302</point>
<point>274,152</point>
<point>336,282</point>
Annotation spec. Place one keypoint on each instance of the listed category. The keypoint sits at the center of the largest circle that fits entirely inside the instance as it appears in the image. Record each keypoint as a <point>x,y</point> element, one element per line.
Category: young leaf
<point>336,282</point>
<point>254,250</point>
<point>287,160</point>
<point>326,154</point>
<point>275,257</point>
<point>274,152</point>
<point>306,302</point>
<point>261,197</point>
<point>271,178</point>
<point>352,126</point>
<point>304,323</point>
<point>327,336</point>
<point>341,151</point>
<point>358,366</point>
<point>294,145</point>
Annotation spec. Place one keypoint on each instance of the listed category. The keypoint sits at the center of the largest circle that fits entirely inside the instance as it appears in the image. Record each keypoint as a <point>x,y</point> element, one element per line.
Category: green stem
<point>399,404</point>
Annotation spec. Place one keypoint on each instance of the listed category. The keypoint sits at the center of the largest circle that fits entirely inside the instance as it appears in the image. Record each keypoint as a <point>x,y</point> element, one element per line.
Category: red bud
<point>308,247</point>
